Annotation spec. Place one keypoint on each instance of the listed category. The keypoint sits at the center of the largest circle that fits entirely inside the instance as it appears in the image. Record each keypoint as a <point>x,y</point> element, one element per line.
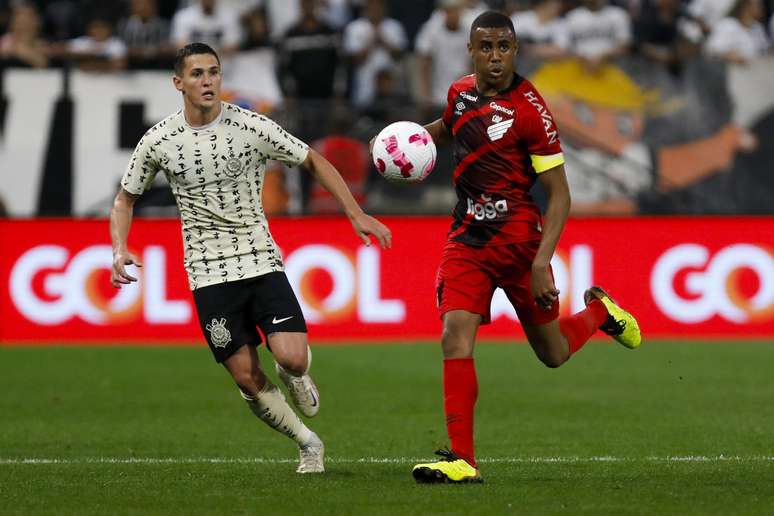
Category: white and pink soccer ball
<point>404,152</point>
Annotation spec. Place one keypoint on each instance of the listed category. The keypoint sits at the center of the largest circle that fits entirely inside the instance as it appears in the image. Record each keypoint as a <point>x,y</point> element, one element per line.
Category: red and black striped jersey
<point>501,143</point>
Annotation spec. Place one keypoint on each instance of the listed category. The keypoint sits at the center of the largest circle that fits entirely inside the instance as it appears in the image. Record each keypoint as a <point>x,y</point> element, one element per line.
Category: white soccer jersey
<point>358,35</point>
<point>730,35</point>
<point>449,51</point>
<point>710,11</point>
<point>216,174</point>
<point>593,33</point>
<point>220,29</point>
<point>530,29</point>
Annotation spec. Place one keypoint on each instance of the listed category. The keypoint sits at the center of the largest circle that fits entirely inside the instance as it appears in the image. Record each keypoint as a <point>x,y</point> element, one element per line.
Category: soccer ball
<point>404,152</point>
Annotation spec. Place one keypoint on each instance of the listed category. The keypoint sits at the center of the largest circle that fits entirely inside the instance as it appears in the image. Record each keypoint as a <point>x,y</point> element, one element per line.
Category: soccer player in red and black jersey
<point>504,139</point>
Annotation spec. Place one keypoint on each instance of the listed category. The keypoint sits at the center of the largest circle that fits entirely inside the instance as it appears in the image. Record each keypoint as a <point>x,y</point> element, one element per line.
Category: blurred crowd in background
<point>336,71</point>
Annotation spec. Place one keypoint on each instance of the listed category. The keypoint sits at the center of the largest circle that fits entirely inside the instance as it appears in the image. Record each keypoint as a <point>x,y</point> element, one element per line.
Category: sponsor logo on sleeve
<point>545,116</point>
<point>469,97</point>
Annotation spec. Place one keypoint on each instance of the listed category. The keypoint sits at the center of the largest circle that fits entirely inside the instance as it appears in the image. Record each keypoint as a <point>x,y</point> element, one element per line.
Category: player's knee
<point>454,344</point>
<point>553,360</point>
<point>294,362</point>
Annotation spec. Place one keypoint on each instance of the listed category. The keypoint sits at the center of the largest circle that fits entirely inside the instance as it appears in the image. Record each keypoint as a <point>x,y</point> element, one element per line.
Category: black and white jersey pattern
<point>216,174</point>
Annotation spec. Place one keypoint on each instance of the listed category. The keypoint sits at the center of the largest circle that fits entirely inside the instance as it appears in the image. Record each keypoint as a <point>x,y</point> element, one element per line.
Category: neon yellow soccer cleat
<point>450,469</point>
<point>620,324</point>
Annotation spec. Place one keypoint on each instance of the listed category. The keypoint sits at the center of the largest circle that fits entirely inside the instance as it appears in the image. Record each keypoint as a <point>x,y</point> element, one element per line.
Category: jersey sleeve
<point>181,29</point>
<point>447,113</point>
<point>721,39</point>
<point>538,131</point>
<point>280,145</point>
<point>142,168</point>
<point>423,44</point>
<point>623,27</point>
<point>232,31</point>
<point>355,38</point>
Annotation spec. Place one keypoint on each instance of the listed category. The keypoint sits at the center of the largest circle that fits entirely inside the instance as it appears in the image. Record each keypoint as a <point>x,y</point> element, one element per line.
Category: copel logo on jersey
<point>487,208</point>
<point>497,107</point>
<point>48,286</point>
<point>691,285</point>
<point>469,97</point>
<point>332,285</point>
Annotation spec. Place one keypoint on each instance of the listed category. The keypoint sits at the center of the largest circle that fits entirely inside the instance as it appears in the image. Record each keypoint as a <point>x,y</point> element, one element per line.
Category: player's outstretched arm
<point>363,224</point>
<point>440,132</point>
<point>120,222</point>
<point>554,181</point>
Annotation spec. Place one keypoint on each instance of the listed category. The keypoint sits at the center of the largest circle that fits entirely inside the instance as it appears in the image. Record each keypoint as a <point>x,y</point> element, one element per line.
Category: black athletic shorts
<point>229,312</point>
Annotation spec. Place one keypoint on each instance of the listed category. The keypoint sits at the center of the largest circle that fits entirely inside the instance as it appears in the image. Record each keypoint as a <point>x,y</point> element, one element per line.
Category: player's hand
<point>543,289</point>
<point>371,146</point>
<point>366,225</point>
<point>118,275</point>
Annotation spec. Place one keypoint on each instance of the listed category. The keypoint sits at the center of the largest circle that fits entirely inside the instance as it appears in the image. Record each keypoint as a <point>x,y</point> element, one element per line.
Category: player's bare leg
<point>268,403</point>
<point>460,387</point>
<point>548,343</point>
<point>245,369</point>
<point>556,341</point>
<point>293,360</point>
<point>459,334</point>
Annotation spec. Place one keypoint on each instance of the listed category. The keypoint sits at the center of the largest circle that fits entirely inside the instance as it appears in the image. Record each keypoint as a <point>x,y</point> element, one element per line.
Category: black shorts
<point>229,312</point>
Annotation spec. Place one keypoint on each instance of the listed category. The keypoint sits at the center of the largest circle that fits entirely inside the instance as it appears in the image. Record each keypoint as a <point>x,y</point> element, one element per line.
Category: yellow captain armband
<point>543,163</point>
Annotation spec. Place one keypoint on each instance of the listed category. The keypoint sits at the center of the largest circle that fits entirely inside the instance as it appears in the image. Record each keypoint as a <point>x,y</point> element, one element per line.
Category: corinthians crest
<point>233,166</point>
<point>219,334</point>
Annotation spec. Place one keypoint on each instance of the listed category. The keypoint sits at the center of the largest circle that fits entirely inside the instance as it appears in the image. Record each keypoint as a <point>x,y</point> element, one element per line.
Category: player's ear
<point>178,82</point>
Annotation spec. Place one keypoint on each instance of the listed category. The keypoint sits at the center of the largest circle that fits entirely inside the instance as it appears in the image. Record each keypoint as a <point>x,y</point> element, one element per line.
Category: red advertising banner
<point>691,277</point>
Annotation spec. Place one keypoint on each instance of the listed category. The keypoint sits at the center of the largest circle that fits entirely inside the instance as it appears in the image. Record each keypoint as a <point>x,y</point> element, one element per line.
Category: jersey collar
<point>211,125</point>
<point>517,79</point>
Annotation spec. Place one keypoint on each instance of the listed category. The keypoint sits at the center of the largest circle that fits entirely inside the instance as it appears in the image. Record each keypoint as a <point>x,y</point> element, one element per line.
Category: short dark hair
<point>492,20</point>
<point>191,49</point>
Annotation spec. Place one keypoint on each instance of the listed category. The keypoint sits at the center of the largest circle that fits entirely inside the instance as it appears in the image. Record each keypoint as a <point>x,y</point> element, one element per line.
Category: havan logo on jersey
<point>548,121</point>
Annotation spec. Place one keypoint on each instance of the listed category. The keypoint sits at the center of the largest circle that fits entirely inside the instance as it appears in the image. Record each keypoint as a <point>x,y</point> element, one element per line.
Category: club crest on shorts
<point>233,166</point>
<point>219,334</point>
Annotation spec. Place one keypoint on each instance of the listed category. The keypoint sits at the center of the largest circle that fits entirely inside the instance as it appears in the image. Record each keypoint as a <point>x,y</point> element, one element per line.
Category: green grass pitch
<point>671,428</point>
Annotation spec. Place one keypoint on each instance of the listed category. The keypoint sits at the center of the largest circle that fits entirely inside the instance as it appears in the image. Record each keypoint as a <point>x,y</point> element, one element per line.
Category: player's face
<point>200,83</point>
<point>492,51</point>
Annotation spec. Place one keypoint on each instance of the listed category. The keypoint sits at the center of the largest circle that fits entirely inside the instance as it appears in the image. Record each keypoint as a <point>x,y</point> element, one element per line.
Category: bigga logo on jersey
<point>487,209</point>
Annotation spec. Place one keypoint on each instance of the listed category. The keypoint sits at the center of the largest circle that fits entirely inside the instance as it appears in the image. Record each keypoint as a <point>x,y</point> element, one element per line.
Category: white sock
<point>270,406</point>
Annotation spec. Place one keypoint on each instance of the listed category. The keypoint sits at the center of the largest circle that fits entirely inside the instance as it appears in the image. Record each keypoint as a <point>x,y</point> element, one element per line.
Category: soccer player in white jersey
<point>213,155</point>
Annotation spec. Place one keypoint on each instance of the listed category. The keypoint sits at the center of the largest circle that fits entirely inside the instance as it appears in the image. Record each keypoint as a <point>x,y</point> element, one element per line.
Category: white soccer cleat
<point>302,390</point>
<point>311,456</point>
